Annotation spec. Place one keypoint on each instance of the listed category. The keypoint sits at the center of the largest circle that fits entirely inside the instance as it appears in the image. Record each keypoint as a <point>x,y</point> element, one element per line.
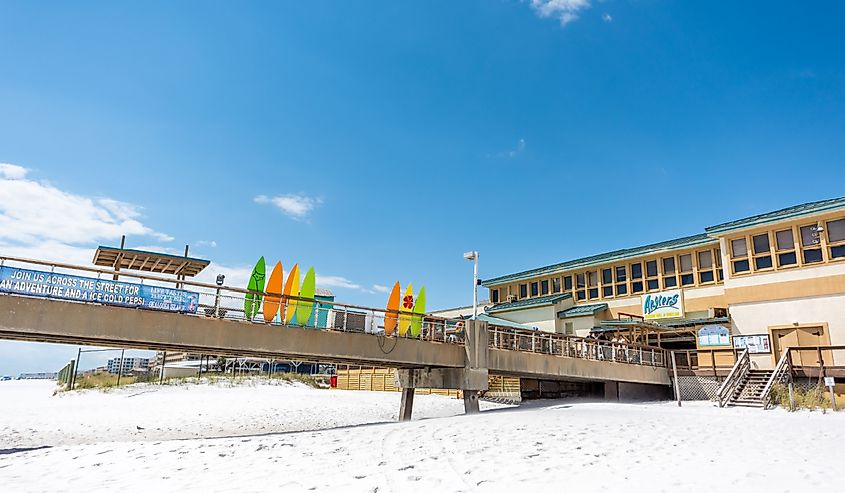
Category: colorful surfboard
<point>406,307</point>
<point>419,311</point>
<point>252,302</point>
<point>274,287</point>
<point>291,289</point>
<point>304,308</point>
<point>390,317</point>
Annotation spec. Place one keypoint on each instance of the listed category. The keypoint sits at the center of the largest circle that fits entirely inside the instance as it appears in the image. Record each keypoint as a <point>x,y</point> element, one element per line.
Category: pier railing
<point>536,341</point>
<point>226,302</point>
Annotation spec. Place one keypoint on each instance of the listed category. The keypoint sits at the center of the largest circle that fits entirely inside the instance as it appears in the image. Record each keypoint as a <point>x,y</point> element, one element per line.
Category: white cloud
<point>607,17</point>
<point>380,289</point>
<point>520,146</point>
<point>34,213</point>
<point>337,282</point>
<point>564,10</point>
<point>206,243</point>
<point>296,206</point>
<point>12,171</point>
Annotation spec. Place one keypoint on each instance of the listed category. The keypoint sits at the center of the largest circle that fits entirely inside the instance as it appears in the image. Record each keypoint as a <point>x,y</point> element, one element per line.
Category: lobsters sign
<point>662,305</point>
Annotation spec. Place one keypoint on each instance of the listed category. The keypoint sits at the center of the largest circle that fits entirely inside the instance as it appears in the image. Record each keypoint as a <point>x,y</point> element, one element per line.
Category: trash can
<point>333,381</point>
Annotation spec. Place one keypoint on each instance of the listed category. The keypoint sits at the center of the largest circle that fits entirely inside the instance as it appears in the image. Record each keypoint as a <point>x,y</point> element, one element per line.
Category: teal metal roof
<point>686,242</point>
<point>528,303</point>
<point>582,310</point>
<point>500,322</point>
<point>779,215</point>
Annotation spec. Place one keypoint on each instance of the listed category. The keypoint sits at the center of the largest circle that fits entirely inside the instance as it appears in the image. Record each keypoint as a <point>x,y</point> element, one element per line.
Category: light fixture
<point>473,257</point>
<point>220,279</point>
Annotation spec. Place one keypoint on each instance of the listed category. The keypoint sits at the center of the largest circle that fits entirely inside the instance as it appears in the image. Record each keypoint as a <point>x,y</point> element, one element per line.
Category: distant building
<point>128,365</point>
<point>38,376</point>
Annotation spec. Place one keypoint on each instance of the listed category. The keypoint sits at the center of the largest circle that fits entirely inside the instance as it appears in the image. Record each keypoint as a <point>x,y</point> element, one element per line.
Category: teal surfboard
<point>418,313</point>
<point>307,290</point>
<point>252,302</point>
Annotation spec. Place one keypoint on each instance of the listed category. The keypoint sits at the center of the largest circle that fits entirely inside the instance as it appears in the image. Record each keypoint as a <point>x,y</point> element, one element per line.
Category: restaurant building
<point>765,282</point>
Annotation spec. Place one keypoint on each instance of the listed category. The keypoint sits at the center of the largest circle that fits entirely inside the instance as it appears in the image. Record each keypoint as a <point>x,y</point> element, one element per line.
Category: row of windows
<point>789,247</point>
<point>689,269</point>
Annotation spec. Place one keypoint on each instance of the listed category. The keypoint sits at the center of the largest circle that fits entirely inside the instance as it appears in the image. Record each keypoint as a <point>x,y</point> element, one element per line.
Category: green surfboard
<point>418,312</point>
<point>304,308</point>
<point>252,302</point>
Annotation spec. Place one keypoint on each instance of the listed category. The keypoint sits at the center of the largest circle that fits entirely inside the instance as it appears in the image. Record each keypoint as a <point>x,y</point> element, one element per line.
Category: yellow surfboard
<point>390,317</point>
<point>274,293</point>
<point>291,289</point>
<point>406,307</point>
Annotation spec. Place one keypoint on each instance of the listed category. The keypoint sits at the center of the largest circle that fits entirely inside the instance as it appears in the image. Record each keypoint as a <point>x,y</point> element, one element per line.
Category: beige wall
<point>542,317</point>
<point>757,318</point>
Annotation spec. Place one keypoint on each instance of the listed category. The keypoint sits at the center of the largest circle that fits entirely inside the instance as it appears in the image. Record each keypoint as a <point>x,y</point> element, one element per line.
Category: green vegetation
<point>101,381</point>
<point>811,398</point>
<point>107,381</point>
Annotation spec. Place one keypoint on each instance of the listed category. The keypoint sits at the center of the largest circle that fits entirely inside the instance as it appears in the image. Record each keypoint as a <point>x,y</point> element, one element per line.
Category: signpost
<point>829,383</point>
<point>75,288</point>
<point>756,344</point>
<point>663,305</point>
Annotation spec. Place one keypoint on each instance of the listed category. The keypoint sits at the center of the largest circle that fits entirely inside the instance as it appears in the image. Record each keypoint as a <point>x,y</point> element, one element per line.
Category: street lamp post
<point>473,256</point>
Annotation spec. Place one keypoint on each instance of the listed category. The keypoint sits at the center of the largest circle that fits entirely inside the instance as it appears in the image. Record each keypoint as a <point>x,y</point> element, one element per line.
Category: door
<point>801,336</point>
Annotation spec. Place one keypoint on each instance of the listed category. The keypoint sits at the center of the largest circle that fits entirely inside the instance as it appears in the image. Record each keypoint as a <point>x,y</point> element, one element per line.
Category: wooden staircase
<point>749,390</point>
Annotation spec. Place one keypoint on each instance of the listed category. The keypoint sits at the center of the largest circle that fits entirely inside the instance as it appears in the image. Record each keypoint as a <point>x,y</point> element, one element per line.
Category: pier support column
<point>407,405</point>
<point>611,391</point>
<point>471,402</point>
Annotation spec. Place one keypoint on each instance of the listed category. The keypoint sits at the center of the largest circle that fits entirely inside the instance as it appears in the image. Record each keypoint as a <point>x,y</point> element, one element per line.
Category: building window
<point>567,283</point>
<point>621,277</point>
<point>544,287</point>
<point>580,293</point>
<point>568,328</point>
<point>669,279</point>
<point>836,238</point>
<point>810,248</point>
<point>556,285</point>
<point>705,266</point>
<point>785,243</point>
<point>494,295</point>
<point>739,255</point>
<point>719,272</point>
<point>593,284</point>
<point>762,252</point>
<point>636,277</point>
<point>523,291</point>
<point>652,283</point>
<point>534,289</point>
<point>607,282</point>
<point>687,277</point>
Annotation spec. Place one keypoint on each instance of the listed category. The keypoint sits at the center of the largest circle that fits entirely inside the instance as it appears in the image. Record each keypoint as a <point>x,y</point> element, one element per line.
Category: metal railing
<point>226,302</point>
<point>575,347</point>
<point>690,359</point>
<point>781,373</point>
<point>735,377</point>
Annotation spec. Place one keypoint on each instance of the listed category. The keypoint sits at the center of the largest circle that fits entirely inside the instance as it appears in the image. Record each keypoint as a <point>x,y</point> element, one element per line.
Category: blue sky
<point>378,141</point>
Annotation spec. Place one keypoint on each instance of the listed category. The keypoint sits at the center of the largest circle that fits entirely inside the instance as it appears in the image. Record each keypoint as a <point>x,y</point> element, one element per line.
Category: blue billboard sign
<point>91,290</point>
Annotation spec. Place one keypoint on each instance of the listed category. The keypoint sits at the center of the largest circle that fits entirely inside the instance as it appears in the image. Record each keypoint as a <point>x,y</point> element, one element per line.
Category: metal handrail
<point>737,373</point>
<point>573,346</point>
<point>435,329</point>
<point>780,371</point>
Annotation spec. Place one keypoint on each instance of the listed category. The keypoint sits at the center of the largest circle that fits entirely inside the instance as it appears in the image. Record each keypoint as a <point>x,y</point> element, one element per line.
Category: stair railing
<point>736,375</point>
<point>782,372</point>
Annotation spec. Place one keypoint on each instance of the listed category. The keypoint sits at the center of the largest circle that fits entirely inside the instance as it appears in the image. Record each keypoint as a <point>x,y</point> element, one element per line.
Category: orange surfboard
<point>406,306</point>
<point>291,289</point>
<point>274,293</point>
<point>391,318</point>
